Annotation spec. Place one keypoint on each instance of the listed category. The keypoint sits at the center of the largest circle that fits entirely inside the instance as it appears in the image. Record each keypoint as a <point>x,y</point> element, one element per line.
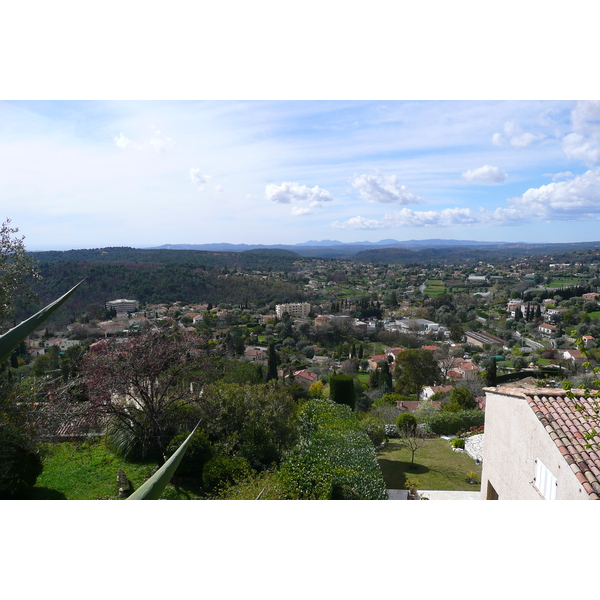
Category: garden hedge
<point>450,423</point>
<point>333,459</point>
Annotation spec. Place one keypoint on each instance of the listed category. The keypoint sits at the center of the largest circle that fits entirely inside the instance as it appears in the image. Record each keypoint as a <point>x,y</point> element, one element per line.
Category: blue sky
<point>259,123</point>
<point>144,173</point>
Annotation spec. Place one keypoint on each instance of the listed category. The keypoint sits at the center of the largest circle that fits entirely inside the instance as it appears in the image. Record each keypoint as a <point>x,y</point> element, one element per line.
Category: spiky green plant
<point>155,485</point>
<point>12,338</point>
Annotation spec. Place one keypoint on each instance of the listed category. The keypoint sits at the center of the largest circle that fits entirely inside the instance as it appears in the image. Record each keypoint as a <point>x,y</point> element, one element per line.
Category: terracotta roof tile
<point>567,427</point>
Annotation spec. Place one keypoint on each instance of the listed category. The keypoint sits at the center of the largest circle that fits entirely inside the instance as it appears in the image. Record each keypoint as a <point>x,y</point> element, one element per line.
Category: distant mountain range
<point>331,248</point>
<point>409,244</point>
<point>394,250</point>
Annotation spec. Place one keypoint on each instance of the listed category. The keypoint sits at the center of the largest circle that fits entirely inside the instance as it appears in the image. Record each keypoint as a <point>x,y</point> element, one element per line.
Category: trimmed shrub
<point>450,423</point>
<point>341,390</point>
<point>406,421</point>
<point>333,457</point>
<point>457,443</point>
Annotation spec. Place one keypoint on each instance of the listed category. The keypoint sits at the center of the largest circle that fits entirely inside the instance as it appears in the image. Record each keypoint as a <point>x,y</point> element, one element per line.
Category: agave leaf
<point>155,485</point>
<point>12,338</point>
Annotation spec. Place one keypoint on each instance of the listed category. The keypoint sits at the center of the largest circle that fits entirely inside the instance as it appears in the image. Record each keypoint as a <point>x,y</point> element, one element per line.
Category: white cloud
<point>301,210</point>
<point>198,179</point>
<point>586,115</point>
<point>498,140</point>
<point>486,174</point>
<point>583,144</point>
<point>160,142</point>
<point>447,217</point>
<point>576,199</point>
<point>516,136</point>
<point>294,193</point>
<point>359,223</point>
<point>525,140</point>
<point>582,148</point>
<point>379,188</point>
<point>123,142</point>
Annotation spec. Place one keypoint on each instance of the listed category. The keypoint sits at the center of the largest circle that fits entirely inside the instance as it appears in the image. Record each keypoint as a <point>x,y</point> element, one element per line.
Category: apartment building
<point>298,310</point>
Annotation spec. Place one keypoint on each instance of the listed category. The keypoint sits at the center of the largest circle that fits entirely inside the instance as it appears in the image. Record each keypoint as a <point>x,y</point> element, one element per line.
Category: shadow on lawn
<point>395,472</point>
<point>43,493</point>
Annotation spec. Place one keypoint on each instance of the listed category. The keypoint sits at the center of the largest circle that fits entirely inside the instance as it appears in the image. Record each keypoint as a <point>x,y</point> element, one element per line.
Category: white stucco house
<point>535,446</point>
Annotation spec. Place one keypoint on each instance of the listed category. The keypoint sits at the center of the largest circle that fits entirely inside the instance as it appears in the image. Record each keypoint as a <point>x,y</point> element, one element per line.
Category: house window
<point>492,494</point>
<point>544,481</point>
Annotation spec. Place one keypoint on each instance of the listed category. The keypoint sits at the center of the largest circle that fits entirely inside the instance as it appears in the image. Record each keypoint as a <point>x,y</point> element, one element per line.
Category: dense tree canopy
<point>16,267</point>
<point>145,383</point>
<point>416,368</point>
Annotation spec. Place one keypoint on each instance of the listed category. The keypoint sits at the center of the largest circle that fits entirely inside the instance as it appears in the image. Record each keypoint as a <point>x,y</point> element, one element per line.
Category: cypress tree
<point>490,374</point>
<point>272,362</point>
<point>341,390</point>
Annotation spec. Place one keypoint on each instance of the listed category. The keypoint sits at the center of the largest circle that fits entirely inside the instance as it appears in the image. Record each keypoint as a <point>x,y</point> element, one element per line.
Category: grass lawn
<point>84,471</point>
<point>434,291</point>
<point>363,377</point>
<point>566,281</point>
<point>435,287</point>
<point>436,466</point>
<point>88,471</point>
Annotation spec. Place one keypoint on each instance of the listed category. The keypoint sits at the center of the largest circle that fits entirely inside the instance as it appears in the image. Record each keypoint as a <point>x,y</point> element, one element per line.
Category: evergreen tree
<point>491,373</point>
<point>385,377</point>
<point>341,390</point>
<point>272,362</point>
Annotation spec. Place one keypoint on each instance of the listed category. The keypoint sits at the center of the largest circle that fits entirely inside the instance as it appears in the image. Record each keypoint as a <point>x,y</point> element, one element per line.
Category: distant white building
<point>297,310</point>
<point>420,326</point>
<point>122,305</point>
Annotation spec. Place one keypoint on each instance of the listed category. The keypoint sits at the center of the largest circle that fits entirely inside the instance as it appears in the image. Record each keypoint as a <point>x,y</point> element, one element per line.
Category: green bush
<point>223,470</point>
<point>374,428</point>
<point>457,443</point>
<point>199,452</point>
<point>129,440</point>
<point>258,422</point>
<point>20,463</point>
<point>450,423</point>
<point>341,390</point>
<point>333,457</point>
<point>406,421</point>
<point>392,399</point>
<point>388,399</point>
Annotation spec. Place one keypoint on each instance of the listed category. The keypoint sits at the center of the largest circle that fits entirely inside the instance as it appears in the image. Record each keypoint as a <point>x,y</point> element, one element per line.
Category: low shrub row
<point>450,423</point>
<point>333,459</point>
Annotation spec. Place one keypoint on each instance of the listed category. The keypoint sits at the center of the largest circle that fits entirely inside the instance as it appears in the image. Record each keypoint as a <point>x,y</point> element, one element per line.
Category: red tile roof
<point>566,426</point>
<point>412,405</point>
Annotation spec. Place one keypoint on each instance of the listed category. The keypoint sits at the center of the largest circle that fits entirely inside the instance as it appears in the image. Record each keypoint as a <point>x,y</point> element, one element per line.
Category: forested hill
<point>458,254</point>
<point>165,276</point>
<point>260,259</point>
